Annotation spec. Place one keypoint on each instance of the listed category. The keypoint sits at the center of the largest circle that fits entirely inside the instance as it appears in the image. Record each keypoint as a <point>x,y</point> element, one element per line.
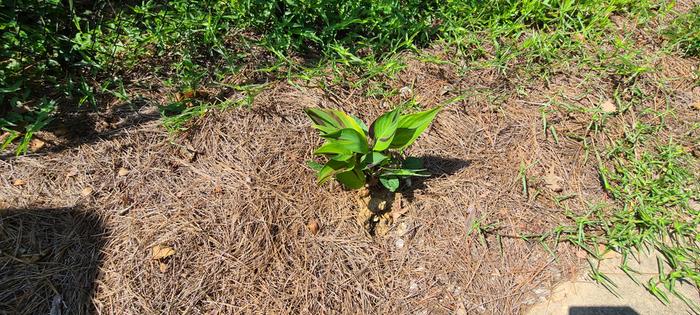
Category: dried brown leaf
<point>87,191</point>
<point>406,92</point>
<point>578,37</point>
<point>553,182</point>
<point>123,172</point>
<point>36,145</point>
<point>397,209</point>
<point>601,248</point>
<point>611,254</point>
<point>313,226</point>
<point>72,172</point>
<point>161,251</point>
<point>608,107</point>
<point>695,205</point>
<point>696,105</point>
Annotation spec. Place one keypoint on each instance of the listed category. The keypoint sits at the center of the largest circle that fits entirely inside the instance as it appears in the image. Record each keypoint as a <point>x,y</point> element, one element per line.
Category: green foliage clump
<point>358,155</point>
<point>35,50</point>
<point>64,54</point>
<point>540,32</point>
<point>317,26</point>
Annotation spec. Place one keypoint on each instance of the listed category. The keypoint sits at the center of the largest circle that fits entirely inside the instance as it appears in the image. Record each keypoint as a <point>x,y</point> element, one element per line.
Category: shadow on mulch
<point>437,166</point>
<point>73,128</point>
<point>440,166</point>
<point>49,258</point>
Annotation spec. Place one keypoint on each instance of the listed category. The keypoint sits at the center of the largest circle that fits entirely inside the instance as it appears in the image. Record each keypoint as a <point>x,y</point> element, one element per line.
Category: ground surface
<point>215,220</point>
<point>236,215</point>
<point>584,296</point>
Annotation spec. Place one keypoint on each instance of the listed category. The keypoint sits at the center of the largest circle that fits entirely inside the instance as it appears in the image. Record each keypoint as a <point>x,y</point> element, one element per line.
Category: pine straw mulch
<point>233,199</point>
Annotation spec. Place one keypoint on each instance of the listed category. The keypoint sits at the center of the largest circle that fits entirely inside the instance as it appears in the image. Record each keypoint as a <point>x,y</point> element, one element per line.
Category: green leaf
<point>411,126</point>
<point>343,157</point>
<point>12,88</point>
<point>372,159</point>
<point>412,163</point>
<point>329,121</point>
<point>404,172</point>
<point>344,142</point>
<point>390,182</point>
<point>314,165</point>
<point>352,179</point>
<point>360,123</point>
<point>13,135</point>
<point>334,167</point>
<point>331,147</point>
<point>383,129</point>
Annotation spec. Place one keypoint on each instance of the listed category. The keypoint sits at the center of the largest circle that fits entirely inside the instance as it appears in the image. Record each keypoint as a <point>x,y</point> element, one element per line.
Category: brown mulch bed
<point>233,198</point>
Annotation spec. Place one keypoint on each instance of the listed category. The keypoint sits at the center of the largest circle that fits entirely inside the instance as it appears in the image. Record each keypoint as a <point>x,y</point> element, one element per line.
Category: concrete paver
<point>585,297</point>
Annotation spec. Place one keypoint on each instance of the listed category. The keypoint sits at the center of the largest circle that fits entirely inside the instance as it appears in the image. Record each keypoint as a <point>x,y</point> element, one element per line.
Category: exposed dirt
<point>233,198</point>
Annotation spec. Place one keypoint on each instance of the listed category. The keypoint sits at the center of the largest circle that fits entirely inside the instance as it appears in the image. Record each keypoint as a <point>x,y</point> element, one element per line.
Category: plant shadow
<point>438,167</point>
<point>50,259</point>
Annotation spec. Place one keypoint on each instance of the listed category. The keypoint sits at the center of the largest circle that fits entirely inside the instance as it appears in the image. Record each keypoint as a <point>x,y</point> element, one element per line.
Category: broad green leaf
<point>383,129</point>
<point>343,157</point>
<point>412,163</point>
<point>314,165</point>
<point>323,120</point>
<point>390,182</point>
<point>344,142</point>
<point>372,159</point>
<point>332,147</point>
<point>411,126</point>
<point>347,121</point>
<point>11,89</point>
<point>352,179</point>
<point>331,120</point>
<point>360,123</point>
<point>404,172</point>
<point>334,167</point>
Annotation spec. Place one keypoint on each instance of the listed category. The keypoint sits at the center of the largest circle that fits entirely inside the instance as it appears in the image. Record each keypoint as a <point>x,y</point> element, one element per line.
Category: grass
<point>684,33</point>
<point>78,50</point>
<point>652,186</point>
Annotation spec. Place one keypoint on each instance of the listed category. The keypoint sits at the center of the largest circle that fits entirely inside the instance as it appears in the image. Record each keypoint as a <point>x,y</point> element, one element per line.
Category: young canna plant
<point>359,156</point>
